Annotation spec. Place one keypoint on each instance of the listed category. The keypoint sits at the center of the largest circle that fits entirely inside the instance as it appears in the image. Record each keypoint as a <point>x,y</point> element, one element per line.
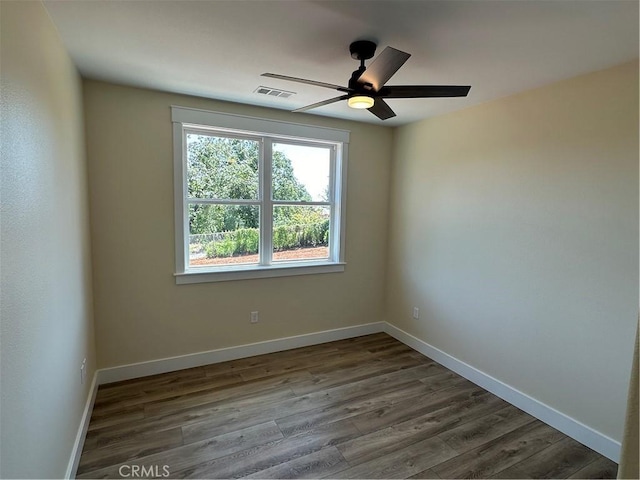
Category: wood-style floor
<point>367,407</point>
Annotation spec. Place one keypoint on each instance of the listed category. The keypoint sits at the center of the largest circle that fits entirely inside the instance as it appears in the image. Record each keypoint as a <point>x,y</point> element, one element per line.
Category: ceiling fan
<point>367,84</point>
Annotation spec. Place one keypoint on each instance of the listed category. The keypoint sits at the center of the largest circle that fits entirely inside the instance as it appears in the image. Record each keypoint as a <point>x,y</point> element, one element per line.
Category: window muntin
<point>289,216</point>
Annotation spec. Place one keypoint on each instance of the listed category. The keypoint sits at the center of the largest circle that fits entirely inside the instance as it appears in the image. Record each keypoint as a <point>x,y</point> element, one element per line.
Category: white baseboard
<point>72,466</point>
<point>164,365</point>
<point>593,439</point>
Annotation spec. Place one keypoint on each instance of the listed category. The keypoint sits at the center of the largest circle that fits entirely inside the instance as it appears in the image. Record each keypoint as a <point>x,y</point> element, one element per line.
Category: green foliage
<point>222,167</point>
<point>227,168</point>
<point>221,218</point>
<point>285,237</point>
<point>223,248</point>
<point>247,240</point>
<point>239,242</point>
<point>285,184</point>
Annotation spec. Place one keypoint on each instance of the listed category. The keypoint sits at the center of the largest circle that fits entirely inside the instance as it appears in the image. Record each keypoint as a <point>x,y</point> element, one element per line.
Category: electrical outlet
<point>416,313</point>
<point>83,371</point>
<point>254,317</point>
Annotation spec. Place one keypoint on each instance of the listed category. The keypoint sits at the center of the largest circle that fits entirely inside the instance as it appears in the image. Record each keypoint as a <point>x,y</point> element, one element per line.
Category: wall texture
<point>140,313</point>
<point>47,324</point>
<point>514,229</point>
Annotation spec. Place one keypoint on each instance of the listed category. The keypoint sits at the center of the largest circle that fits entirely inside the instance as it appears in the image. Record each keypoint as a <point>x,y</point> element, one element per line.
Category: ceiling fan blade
<point>424,91</point>
<point>383,67</point>
<point>321,104</point>
<point>381,109</point>
<point>308,82</point>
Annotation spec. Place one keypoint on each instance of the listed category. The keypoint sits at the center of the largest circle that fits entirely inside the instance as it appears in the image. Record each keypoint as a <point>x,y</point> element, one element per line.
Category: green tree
<point>222,168</point>
<point>285,184</point>
<point>227,168</point>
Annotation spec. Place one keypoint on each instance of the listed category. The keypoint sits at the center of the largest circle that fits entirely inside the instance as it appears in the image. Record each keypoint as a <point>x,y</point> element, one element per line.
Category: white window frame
<point>267,132</point>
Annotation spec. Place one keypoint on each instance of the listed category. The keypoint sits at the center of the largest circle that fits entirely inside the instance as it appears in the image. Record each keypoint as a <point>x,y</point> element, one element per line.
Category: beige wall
<point>140,313</point>
<point>46,323</point>
<point>514,229</point>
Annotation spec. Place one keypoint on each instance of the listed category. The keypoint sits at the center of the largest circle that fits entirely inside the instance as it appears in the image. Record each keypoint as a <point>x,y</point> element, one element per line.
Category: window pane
<point>300,232</point>
<point>223,234</point>
<point>300,173</point>
<point>224,168</point>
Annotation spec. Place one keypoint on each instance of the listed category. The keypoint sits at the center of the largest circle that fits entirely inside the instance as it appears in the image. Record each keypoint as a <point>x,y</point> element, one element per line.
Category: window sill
<point>246,272</point>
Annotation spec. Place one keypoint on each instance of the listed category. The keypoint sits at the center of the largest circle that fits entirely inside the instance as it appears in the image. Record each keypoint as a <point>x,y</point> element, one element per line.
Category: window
<point>256,198</point>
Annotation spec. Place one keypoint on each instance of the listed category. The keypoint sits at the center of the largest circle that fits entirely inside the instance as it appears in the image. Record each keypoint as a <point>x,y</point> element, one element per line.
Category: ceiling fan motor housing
<point>362,50</point>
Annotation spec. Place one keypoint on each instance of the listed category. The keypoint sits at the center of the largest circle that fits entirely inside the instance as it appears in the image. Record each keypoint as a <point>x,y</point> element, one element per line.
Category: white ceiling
<point>218,49</point>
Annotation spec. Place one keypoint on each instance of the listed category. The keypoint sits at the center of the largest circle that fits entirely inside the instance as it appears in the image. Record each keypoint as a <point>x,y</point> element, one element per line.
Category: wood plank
<point>242,415</point>
<point>380,442</point>
<point>250,461</point>
<point>560,460</point>
<point>404,462</point>
<point>480,431</point>
<point>115,388</point>
<point>300,422</point>
<point>181,417</point>
<point>390,348</point>
<point>410,409</point>
<point>510,473</point>
<point>195,453</point>
<point>501,453</point>
<point>235,392</point>
<point>328,378</point>
<point>386,391</point>
<point>428,473</point>
<point>355,359</point>
<point>325,462</point>
<point>177,389</point>
<point>125,415</point>
<point>129,450</point>
<point>438,381</point>
<point>299,357</point>
<point>363,342</point>
<point>602,467</point>
<point>227,419</point>
<point>328,360</point>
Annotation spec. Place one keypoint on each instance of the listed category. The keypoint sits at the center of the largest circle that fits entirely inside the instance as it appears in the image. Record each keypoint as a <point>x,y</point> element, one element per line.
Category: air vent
<point>273,92</point>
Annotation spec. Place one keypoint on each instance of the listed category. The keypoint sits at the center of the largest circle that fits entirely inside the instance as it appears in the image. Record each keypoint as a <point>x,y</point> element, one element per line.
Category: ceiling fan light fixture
<point>360,102</point>
<point>366,88</point>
